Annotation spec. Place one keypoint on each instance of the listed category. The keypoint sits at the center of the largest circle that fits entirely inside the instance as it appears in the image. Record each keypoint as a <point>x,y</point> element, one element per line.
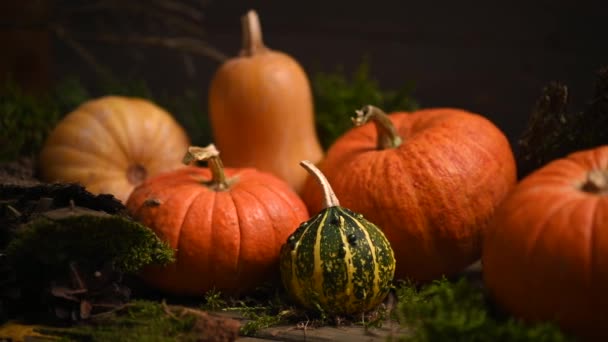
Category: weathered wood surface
<point>303,332</point>
<point>297,333</point>
<point>328,333</point>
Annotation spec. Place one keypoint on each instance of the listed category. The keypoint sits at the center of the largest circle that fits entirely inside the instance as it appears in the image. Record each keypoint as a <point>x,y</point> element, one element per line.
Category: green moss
<point>47,245</point>
<point>459,311</point>
<point>25,119</point>
<point>337,96</point>
<point>214,301</point>
<point>24,122</point>
<point>259,322</point>
<point>139,321</point>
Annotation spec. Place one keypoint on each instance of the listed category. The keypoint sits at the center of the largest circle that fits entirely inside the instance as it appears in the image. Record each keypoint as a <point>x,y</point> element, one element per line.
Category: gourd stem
<point>212,156</point>
<point>387,133</point>
<point>252,34</point>
<point>329,197</point>
<point>597,182</point>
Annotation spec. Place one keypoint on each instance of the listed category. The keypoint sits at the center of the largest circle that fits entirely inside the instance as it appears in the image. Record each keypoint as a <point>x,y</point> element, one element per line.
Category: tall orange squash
<point>261,110</point>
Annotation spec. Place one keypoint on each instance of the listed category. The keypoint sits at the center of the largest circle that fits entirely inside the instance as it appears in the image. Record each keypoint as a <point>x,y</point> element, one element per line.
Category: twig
<point>180,7</point>
<point>114,310</point>
<point>69,7</point>
<point>77,281</point>
<point>166,309</point>
<point>63,35</point>
<point>140,9</point>
<point>182,19</point>
<point>184,44</point>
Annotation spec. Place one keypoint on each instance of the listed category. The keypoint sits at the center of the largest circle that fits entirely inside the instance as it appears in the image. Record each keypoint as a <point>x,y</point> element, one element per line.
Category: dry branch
<point>182,44</point>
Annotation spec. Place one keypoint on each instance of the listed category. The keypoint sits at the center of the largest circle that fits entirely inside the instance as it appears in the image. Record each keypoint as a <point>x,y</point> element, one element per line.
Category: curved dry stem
<point>387,133</point>
<point>596,182</point>
<point>252,34</point>
<point>329,197</point>
<point>211,155</point>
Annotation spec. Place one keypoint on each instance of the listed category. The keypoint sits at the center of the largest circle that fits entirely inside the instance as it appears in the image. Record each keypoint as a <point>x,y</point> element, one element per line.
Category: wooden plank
<point>250,339</point>
<point>295,332</point>
<point>331,333</point>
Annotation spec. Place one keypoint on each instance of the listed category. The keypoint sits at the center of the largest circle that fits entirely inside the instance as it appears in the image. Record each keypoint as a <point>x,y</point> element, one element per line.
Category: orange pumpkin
<point>227,225</point>
<point>261,110</point>
<point>429,179</point>
<point>112,144</point>
<point>545,254</point>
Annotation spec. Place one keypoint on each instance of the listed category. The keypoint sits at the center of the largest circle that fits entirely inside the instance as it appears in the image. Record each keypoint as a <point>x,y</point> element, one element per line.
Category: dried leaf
<point>18,332</point>
<point>85,309</point>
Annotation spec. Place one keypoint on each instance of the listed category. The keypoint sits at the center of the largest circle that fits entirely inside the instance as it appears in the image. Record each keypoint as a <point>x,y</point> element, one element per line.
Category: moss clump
<point>338,96</point>
<point>63,257</point>
<point>47,244</point>
<point>145,321</point>
<point>459,311</point>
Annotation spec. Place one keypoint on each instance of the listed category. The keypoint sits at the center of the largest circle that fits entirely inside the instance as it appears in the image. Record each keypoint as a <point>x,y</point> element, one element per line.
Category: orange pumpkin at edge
<point>430,180</point>
<point>227,225</point>
<point>545,255</point>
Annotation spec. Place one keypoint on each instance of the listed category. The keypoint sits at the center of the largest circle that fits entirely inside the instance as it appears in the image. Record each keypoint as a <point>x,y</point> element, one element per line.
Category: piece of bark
<point>209,328</point>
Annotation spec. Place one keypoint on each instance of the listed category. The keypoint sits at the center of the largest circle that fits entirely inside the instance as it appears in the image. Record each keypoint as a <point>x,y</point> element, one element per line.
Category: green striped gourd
<point>337,262</point>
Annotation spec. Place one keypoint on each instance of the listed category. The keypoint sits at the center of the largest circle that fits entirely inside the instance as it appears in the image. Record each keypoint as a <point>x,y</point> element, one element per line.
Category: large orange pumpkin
<point>112,144</point>
<point>227,225</point>
<point>430,180</point>
<point>545,254</point>
<point>261,110</point>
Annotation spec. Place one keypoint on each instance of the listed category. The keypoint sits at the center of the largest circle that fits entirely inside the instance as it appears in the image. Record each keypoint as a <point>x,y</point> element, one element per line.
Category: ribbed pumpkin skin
<point>226,240</point>
<point>433,195</point>
<point>111,144</point>
<point>545,253</point>
<point>339,261</point>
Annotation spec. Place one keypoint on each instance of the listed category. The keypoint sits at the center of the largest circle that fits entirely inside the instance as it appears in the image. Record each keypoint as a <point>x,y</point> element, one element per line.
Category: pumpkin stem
<point>597,182</point>
<point>252,34</point>
<point>330,198</point>
<point>212,156</point>
<point>387,133</point>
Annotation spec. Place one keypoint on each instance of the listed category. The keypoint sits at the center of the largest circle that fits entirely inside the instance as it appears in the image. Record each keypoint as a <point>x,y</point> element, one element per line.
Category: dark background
<point>488,57</point>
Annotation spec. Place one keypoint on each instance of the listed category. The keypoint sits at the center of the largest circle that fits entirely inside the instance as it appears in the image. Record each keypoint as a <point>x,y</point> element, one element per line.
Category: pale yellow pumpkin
<point>112,144</point>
